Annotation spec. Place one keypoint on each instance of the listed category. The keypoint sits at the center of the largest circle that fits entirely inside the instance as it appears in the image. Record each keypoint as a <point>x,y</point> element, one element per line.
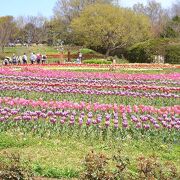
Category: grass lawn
<point>63,156</point>
<point>19,50</point>
<point>43,49</point>
<point>36,49</point>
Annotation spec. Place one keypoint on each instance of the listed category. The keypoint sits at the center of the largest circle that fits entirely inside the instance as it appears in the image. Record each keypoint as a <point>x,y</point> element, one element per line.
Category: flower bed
<point>92,115</point>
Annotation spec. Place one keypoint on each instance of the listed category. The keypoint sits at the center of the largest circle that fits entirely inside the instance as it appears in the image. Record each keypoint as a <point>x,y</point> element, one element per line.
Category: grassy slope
<point>28,50</point>
<point>63,157</point>
<point>43,50</point>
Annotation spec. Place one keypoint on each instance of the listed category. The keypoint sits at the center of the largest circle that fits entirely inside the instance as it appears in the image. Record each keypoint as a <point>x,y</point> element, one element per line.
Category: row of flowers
<point>39,72</point>
<point>113,82</point>
<point>125,120</point>
<point>94,107</point>
<point>93,85</point>
<point>88,91</point>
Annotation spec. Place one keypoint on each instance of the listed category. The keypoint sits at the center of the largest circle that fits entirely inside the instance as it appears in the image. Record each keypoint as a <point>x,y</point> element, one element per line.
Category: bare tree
<point>175,9</point>
<point>32,29</point>
<point>69,9</point>
<point>7,28</point>
<point>156,13</point>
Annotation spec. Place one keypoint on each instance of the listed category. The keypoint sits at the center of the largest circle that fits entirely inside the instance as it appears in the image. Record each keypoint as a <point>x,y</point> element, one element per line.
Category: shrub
<point>122,162</point>
<point>173,54</point>
<point>144,52</point>
<point>95,167</point>
<point>96,61</point>
<point>151,168</point>
<point>13,168</point>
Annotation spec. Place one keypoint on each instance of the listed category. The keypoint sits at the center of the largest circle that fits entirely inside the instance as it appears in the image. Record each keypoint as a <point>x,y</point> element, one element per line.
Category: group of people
<point>34,58</point>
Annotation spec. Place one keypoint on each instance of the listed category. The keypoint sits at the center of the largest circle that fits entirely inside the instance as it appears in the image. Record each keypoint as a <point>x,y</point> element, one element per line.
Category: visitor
<point>24,59</point>
<point>18,60</point>
<point>9,60</point>
<point>78,61</point>
<point>6,61</point>
<point>14,61</point>
<point>32,58</point>
<point>44,57</point>
<point>38,58</point>
<point>80,57</point>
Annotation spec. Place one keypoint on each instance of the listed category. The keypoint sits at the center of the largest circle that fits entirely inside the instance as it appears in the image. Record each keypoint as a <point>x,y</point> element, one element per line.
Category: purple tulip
<point>3,112</point>
<point>50,113</point>
<point>138,125</point>
<point>18,118</point>
<point>146,126</point>
<point>107,123</point>
<point>116,126</point>
<point>125,124</point>
<point>71,123</point>
<point>157,126</point>
<point>116,121</point>
<point>80,121</point>
<point>62,121</point>
<point>2,119</point>
<point>88,122</point>
<point>108,116</point>
<point>90,115</point>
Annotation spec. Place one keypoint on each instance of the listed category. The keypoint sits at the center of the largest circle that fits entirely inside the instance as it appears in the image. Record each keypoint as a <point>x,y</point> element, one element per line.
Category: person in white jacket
<point>32,58</point>
<point>24,58</point>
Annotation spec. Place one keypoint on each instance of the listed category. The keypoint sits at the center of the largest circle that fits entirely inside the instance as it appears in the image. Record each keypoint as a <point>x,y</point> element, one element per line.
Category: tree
<point>32,29</point>
<point>156,13</point>
<point>7,29</point>
<point>175,9</point>
<point>56,31</point>
<point>172,30</point>
<point>64,12</point>
<point>109,27</point>
<point>69,9</point>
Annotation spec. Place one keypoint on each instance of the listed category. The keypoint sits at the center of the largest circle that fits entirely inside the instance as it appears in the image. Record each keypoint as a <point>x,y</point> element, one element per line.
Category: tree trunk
<point>2,49</point>
<point>107,52</point>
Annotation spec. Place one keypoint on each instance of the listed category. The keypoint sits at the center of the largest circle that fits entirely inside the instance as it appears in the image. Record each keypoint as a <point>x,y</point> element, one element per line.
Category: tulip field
<point>76,111</point>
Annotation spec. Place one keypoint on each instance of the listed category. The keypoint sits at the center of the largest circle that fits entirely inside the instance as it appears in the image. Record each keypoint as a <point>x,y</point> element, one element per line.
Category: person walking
<point>44,57</point>
<point>6,62</point>
<point>38,58</point>
<point>14,61</point>
<point>18,60</point>
<point>24,58</point>
<point>32,58</point>
<point>80,57</point>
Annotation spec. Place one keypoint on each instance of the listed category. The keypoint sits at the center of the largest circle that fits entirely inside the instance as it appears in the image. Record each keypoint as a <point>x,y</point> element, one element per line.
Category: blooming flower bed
<point>40,72</point>
<point>87,111</point>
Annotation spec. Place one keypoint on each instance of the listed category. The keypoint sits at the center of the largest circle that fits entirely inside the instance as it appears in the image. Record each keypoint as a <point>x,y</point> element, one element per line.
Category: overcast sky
<point>44,7</point>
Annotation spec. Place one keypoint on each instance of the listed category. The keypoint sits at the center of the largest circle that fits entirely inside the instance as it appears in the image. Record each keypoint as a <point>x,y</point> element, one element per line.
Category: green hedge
<point>96,61</point>
<point>173,54</point>
<point>144,52</point>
